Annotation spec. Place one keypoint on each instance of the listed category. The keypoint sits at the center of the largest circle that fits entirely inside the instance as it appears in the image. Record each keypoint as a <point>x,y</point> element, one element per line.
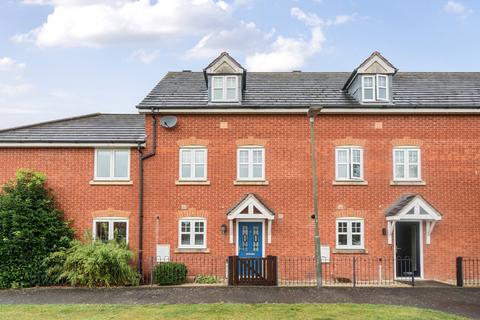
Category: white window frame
<point>372,87</point>
<point>406,164</point>
<point>224,87</point>
<point>350,163</point>
<point>349,233</point>
<point>250,150</point>
<point>384,87</point>
<point>192,233</point>
<point>192,177</point>
<point>111,231</point>
<point>112,166</point>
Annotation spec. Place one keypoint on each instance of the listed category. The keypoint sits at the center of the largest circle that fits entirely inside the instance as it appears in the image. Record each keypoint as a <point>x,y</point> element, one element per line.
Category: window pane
<point>413,156</point>
<point>199,171</point>
<point>382,81</point>
<point>368,94</point>
<point>186,173</point>
<point>342,156</point>
<point>231,93</point>
<point>356,240</point>
<point>103,163</point>
<point>120,231</point>
<point>413,171</point>
<point>342,227</point>
<point>356,227</point>
<point>121,164</point>
<point>231,82</point>
<point>368,82</point>
<point>257,156</point>
<point>185,226</point>
<point>218,82</point>
<point>185,239</point>
<point>342,239</point>
<point>399,156</point>
<point>199,239</point>
<point>257,171</point>
<point>243,172</point>
<point>356,170</point>
<point>101,230</point>
<point>199,156</point>
<point>356,156</point>
<point>399,171</point>
<point>382,93</point>
<point>343,170</point>
<point>243,156</point>
<point>186,156</point>
<point>199,226</point>
<point>217,94</point>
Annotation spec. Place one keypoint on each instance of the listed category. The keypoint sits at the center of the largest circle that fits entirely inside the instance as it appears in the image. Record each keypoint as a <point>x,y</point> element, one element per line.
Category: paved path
<point>462,301</point>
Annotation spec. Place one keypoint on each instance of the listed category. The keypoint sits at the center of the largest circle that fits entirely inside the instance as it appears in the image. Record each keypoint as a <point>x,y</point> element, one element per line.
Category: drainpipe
<point>141,158</point>
<point>312,113</point>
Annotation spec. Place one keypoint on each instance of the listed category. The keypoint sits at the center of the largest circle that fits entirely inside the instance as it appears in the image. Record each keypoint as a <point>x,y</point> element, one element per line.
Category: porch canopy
<point>250,207</point>
<point>412,207</point>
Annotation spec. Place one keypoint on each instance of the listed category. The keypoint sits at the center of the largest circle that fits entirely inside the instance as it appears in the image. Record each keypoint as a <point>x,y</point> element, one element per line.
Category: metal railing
<point>468,271</point>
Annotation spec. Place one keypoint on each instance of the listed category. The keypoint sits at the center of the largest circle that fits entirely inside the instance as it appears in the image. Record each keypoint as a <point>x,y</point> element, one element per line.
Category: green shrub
<point>170,273</point>
<point>31,228</point>
<point>205,279</point>
<point>97,264</point>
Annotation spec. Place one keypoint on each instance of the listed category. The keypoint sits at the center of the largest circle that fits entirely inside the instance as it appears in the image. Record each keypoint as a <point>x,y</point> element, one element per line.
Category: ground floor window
<point>106,229</point>
<point>350,234</point>
<point>192,233</point>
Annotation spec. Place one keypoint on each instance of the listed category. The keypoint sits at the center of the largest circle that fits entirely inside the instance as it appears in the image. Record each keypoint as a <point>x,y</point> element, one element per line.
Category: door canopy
<point>250,207</point>
<point>412,207</point>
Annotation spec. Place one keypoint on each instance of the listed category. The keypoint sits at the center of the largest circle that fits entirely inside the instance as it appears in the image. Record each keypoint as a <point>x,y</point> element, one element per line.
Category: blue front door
<point>250,243</point>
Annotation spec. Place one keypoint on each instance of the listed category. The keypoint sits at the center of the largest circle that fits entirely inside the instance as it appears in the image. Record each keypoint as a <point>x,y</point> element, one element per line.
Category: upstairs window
<point>375,88</point>
<point>406,163</point>
<point>251,163</point>
<point>350,233</point>
<point>224,88</point>
<point>193,164</point>
<point>348,164</point>
<point>112,164</point>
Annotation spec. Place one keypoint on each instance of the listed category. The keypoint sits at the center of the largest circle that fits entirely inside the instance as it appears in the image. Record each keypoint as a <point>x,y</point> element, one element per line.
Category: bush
<point>97,264</point>
<point>205,279</point>
<point>31,228</point>
<point>170,273</point>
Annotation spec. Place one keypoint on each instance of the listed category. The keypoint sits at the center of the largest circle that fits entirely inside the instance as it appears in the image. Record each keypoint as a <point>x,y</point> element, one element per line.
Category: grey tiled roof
<point>398,205</point>
<point>93,128</point>
<point>303,89</point>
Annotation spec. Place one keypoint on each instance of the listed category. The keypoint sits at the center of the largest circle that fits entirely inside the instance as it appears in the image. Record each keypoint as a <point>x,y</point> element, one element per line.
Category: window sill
<point>350,183</point>
<point>250,183</point>
<point>347,251</point>
<point>192,183</point>
<point>111,183</point>
<point>407,183</point>
<point>192,250</point>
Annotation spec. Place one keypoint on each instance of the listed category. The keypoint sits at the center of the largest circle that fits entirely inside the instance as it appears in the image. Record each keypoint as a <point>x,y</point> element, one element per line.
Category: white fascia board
<point>67,145</point>
<point>228,110</point>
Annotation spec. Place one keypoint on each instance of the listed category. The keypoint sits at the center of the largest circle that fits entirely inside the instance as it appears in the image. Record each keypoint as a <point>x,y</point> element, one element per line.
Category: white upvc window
<point>368,88</point>
<point>112,164</point>
<point>193,164</point>
<point>192,233</point>
<point>251,163</point>
<point>224,88</point>
<point>349,233</point>
<point>382,87</point>
<point>348,163</point>
<point>107,229</point>
<point>406,164</point>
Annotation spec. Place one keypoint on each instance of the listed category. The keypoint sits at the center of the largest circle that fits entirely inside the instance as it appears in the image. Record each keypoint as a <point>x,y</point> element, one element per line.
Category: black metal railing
<point>468,271</point>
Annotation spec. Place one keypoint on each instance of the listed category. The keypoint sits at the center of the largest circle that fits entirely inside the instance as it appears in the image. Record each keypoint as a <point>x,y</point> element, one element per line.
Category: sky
<point>63,58</point>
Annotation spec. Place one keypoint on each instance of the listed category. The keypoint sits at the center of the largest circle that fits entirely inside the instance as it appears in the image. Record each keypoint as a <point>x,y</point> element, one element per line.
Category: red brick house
<point>397,161</point>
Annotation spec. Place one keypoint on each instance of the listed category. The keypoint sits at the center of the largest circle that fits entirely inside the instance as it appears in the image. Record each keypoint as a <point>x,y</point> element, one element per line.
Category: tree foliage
<point>31,228</point>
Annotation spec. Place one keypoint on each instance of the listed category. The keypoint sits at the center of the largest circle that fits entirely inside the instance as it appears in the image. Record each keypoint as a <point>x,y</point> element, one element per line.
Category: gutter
<point>141,158</point>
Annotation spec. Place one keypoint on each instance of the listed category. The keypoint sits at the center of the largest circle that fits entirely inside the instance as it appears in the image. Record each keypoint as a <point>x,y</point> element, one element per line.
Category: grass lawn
<point>218,311</point>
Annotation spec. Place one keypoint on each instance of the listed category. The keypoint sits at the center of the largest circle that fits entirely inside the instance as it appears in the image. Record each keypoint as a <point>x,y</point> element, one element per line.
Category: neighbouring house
<point>397,160</point>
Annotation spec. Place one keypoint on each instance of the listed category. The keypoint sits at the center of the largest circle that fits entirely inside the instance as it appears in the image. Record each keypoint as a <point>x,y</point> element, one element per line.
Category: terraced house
<point>218,163</point>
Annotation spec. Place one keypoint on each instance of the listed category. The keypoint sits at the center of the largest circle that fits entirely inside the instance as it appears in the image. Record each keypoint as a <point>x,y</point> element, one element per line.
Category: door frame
<point>237,223</point>
<point>420,230</point>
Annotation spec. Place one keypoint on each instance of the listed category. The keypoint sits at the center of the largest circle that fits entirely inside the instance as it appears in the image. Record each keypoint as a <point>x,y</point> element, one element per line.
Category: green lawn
<point>217,311</point>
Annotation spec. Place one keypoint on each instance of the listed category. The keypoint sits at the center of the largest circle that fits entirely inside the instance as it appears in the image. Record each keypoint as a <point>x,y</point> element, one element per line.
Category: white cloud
<point>457,8</point>
<point>145,56</point>
<point>94,23</point>
<point>8,64</point>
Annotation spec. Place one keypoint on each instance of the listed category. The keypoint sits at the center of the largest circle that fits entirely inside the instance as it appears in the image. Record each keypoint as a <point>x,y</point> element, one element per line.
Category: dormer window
<point>375,88</point>
<point>224,88</point>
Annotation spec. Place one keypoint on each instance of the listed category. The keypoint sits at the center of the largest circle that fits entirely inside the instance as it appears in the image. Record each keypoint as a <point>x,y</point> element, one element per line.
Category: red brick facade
<point>450,146</point>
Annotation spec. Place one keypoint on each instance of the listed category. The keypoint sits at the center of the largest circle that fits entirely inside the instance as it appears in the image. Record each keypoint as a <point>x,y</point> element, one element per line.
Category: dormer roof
<point>224,64</point>
<point>374,64</point>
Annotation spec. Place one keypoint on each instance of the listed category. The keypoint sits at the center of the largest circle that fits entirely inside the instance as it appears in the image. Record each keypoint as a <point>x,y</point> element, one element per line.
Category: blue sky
<point>61,58</point>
